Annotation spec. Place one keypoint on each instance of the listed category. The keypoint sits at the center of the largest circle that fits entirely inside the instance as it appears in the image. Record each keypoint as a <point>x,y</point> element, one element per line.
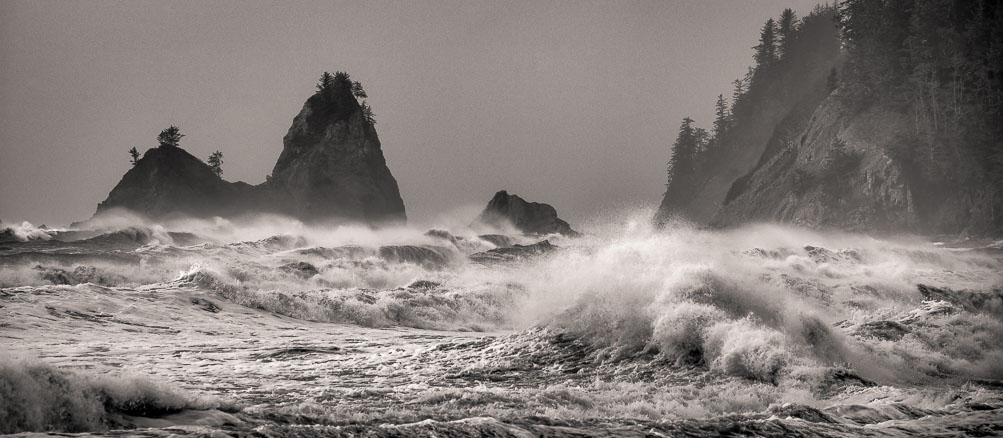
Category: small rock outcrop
<point>170,181</point>
<point>527,217</point>
<point>331,168</point>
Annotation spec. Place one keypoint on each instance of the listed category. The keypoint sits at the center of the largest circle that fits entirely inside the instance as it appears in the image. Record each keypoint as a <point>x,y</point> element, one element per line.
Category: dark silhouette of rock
<point>332,165</point>
<point>527,217</point>
<point>169,181</point>
<point>331,168</point>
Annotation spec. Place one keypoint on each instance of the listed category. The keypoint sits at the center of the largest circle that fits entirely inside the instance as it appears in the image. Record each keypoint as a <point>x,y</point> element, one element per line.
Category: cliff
<point>829,137</point>
<point>331,168</point>
<point>834,174</point>
<point>779,98</point>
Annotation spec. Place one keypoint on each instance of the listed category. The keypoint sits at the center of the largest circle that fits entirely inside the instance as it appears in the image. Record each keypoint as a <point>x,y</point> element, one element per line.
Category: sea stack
<point>332,165</point>
<point>531,218</point>
<point>168,181</point>
<point>331,169</point>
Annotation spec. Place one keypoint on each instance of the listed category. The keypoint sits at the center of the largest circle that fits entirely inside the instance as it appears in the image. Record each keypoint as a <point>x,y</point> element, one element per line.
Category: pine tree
<point>170,137</point>
<point>342,80</point>
<point>683,153</point>
<point>702,139</point>
<point>357,90</point>
<point>325,83</point>
<point>721,119</point>
<point>135,155</point>
<point>216,163</point>
<point>766,51</point>
<point>738,93</point>
<point>736,99</point>
<point>367,112</point>
<point>785,30</point>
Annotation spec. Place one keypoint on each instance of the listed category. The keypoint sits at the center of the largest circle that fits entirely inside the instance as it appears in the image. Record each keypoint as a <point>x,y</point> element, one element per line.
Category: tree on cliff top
<point>684,152</point>
<point>785,29</point>
<point>766,51</point>
<point>135,155</point>
<point>326,82</point>
<point>170,137</point>
<point>367,112</point>
<point>358,91</point>
<point>722,120</point>
<point>216,163</point>
<point>338,80</point>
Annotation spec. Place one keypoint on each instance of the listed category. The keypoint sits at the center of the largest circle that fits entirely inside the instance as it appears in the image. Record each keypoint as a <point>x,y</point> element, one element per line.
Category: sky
<point>572,103</point>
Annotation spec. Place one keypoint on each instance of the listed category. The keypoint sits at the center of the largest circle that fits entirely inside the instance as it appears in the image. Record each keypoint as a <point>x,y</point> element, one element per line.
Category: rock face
<point>835,174</point>
<point>528,217</point>
<point>772,107</point>
<point>169,181</point>
<point>331,168</point>
<point>807,144</point>
<point>332,165</point>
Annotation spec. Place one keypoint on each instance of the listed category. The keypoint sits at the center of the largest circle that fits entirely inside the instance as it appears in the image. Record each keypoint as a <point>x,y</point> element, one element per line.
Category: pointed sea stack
<point>528,217</point>
<point>332,165</point>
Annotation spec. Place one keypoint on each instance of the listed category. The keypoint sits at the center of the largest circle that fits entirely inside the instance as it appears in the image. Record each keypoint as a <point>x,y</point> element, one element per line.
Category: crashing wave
<point>36,397</point>
<point>24,232</point>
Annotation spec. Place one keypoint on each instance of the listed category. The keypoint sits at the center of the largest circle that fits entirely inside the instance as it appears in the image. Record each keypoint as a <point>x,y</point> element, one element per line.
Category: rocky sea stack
<point>331,168</point>
<point>528,217</point>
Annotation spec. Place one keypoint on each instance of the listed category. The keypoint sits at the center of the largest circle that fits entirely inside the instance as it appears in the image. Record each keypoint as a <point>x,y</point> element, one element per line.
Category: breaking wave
<point>765,303</point>
<point>36,397</point>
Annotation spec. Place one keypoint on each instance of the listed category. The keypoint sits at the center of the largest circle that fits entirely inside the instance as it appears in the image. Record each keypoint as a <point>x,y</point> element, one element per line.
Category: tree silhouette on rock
<point>170,137</point>
<point>367,112</point>
<point>358,91</point>
<point>785,29</point>
<point>722,120</point>
<point>216,163</point>
<point>326,82</point>
<point>766,51</point>
<point>134,154</point>
<point>684,152</point>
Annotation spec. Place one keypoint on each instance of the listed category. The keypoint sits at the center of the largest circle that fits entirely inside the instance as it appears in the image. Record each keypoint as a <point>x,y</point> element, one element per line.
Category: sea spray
<point>38,397</point>
<point>626,322</point>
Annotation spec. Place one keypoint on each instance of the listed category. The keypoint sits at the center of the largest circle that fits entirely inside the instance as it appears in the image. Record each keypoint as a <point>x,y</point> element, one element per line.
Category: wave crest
<point>36,397</point>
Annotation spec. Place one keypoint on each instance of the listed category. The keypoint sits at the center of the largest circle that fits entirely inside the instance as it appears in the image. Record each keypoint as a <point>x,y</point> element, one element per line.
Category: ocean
<point>269,327</point>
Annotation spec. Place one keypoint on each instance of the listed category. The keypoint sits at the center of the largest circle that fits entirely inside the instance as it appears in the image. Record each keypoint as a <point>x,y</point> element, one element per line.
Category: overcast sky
<point>571,103</point>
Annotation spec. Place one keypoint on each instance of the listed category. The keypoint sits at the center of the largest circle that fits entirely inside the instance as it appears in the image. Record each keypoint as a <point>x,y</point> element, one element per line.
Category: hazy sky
<point>568,102</point>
